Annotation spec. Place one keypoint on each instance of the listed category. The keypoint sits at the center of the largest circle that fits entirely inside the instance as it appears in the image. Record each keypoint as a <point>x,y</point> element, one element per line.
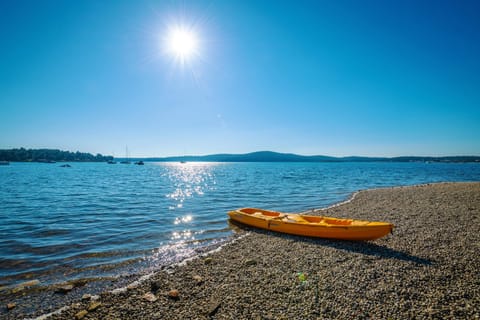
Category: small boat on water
<point>126,160</point>
<point>139,163</point>
<point>312,226</point>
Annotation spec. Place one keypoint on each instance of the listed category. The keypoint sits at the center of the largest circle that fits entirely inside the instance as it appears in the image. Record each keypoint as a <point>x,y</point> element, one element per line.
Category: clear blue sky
<point>373,78</point>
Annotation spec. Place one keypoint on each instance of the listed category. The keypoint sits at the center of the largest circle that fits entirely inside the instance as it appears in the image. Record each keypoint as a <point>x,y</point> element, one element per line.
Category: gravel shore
<point>427,269</point>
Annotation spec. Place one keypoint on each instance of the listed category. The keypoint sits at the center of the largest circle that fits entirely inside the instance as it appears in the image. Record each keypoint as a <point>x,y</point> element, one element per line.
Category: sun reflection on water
<point>182,235</point>
<point>184,219</point>
<point>188,180</point>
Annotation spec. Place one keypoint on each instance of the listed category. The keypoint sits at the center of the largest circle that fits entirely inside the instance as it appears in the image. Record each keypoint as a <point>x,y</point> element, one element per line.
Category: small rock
<point>86,296</point>
<point>94,305</point>
<point>65,288</point>
<point>117,291</point>
<point>17,289</point>
<point>208,260</point>
<point>198,279</point>
<point>132,286</point>
<point>78,282</point>
<point>11,305</point>
<point>213,308</point>
<point>250,262</point>
<point>79,315</point>
<point>174,294</point>
<point>156,285</point>
<point>150,297</point>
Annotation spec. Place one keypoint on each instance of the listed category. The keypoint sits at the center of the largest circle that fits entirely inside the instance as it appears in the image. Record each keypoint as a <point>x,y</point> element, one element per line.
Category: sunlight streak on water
<point>184,219</point>
<point>189,180</point>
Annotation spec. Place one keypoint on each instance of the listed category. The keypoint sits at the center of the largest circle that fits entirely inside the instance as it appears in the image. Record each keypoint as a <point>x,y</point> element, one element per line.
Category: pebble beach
<point>427,269</point>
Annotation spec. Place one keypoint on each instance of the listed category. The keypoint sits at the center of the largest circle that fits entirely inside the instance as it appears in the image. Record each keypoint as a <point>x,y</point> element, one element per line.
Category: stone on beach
<point>64,288</point>
<point>86,296</point>
<point>18,289</point>
<point>198,279</point>
<point>81,314</point>
<point>156,285</point>
<point>250,262</point>
<point>213,307</point>
<point>132,286</point>
<point>11,305</point>
<point>150,297</point>
<point>174,294</point>
<point>94,305</point>
<point>78,282</point>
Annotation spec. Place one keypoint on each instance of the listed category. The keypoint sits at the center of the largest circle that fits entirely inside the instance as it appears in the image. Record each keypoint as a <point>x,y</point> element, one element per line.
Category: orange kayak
<point>312,226</point>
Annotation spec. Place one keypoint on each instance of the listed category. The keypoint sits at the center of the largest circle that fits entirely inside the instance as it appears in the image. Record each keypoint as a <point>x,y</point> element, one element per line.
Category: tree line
<point>40,155</point>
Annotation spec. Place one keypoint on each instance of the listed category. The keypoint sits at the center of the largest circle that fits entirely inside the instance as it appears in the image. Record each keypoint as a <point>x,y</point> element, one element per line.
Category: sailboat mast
<point>127,160</point>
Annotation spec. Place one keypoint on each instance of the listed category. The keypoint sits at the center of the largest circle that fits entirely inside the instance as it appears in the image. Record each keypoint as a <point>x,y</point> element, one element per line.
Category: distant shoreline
<point>49,156</point>
<point>269,156</point>
<point>45,155</point>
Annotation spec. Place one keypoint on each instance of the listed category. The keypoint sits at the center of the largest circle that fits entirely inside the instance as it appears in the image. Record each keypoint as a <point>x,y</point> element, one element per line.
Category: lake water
<point>96,219</point>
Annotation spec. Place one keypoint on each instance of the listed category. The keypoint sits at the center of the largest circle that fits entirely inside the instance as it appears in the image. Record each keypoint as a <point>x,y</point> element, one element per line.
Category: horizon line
<point>259,151</point>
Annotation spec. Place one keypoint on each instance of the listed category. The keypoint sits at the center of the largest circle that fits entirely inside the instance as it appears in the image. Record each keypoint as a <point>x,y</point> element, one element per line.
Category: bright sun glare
<point>182,43</point>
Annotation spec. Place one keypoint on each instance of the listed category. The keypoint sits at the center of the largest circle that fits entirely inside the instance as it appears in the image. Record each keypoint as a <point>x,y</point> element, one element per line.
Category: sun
<point>182,43</point>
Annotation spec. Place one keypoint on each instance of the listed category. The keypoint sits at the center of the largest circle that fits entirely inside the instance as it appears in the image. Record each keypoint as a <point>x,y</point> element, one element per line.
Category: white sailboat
<point>126,161</point>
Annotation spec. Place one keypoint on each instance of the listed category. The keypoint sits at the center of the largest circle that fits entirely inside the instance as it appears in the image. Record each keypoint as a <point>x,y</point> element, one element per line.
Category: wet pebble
<point>94,305</point>
<point>81,314</point>
<point>65,288</point>
<point>86,296</point>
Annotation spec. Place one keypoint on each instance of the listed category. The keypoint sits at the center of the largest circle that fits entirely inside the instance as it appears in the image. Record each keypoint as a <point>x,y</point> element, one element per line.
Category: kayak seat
<point>295,219</point>
<point>359,223</point>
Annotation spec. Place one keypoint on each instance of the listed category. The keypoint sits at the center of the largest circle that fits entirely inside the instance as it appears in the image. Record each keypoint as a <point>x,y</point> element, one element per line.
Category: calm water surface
<point>95,219</point>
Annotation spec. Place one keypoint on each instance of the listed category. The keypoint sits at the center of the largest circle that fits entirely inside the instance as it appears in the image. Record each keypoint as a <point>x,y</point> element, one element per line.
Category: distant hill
<point>49,155</point>
<point>269,156</point>
<point>259,156</point>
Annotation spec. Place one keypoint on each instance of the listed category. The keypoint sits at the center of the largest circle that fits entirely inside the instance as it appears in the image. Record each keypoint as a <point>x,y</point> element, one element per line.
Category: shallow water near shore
<point>97,220</point>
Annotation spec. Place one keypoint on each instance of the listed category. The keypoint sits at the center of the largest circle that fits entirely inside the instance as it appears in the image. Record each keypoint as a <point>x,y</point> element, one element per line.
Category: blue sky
<point>373,78</point>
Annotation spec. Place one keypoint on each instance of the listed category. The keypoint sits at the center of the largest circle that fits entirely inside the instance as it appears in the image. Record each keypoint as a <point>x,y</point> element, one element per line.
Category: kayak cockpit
<point>260,212</point>
<point>296,218</point>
